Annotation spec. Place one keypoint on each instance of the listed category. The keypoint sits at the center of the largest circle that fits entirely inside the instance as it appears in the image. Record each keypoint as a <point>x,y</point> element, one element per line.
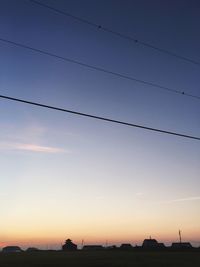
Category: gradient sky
<point>64,176</point>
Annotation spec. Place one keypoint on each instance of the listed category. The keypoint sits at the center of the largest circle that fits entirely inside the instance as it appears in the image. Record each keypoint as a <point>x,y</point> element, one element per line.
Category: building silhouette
<point>126,246</point>
<point>69,246</point>
<point>32,249</point>
<point>150,243</point>
<point>11,249</point>
<point>181,245</point>
<point>93,247</point>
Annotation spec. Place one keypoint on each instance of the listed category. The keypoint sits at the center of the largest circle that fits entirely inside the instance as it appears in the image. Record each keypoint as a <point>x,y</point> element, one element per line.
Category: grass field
<point>100,259</point>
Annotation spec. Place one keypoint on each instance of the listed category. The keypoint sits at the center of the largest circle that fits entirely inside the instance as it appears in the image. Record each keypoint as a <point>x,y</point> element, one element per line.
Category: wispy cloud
<point>31,148</point>
<point>184,199</point>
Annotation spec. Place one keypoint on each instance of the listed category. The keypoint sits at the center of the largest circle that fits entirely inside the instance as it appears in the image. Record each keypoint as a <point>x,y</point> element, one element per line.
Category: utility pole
<point>179,232</point>
<point>82,243</point>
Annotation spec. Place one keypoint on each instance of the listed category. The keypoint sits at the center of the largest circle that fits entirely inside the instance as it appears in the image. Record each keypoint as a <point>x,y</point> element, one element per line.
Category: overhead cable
<point>98,117</point>
<point>118,34</point>
<point>100,69</point>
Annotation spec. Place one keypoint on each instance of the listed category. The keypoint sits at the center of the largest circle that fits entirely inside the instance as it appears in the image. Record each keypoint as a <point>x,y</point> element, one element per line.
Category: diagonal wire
<point>118,34</point>
<point>97,68</point>
<point>98,117</point>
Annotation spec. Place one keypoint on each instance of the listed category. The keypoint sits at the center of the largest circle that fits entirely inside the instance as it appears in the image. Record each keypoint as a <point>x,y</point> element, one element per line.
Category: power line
<point>96,68</point>
<point>98,117</point>
<point>118,34</point>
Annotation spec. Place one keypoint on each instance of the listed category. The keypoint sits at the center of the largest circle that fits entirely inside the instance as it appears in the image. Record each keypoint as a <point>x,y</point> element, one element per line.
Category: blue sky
<point>89,179</point>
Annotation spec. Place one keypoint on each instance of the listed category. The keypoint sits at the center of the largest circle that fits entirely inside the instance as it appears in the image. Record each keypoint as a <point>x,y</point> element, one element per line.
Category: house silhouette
<point>150,243</point>
<point>11,249</point>
<point>69,246</point>
<point>181,245</point>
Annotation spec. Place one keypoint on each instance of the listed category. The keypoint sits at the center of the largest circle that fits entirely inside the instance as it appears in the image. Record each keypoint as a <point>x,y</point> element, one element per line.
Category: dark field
<point>101,259</point>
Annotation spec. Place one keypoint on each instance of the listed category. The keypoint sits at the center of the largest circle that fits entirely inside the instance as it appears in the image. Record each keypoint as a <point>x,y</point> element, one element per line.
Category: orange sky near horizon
<point>97,236</point>
<point>70,176</point>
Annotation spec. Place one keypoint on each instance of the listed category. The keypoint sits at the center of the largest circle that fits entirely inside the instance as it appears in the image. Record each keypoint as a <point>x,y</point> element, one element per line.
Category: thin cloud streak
<point>31,148</point>
<point>184,199</point>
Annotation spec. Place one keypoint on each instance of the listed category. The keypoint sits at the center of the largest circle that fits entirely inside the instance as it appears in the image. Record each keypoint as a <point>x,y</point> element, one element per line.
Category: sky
<point>65,176</point>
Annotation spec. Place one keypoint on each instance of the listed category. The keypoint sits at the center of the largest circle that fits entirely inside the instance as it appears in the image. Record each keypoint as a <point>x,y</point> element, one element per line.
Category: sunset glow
<point>65,176</point>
